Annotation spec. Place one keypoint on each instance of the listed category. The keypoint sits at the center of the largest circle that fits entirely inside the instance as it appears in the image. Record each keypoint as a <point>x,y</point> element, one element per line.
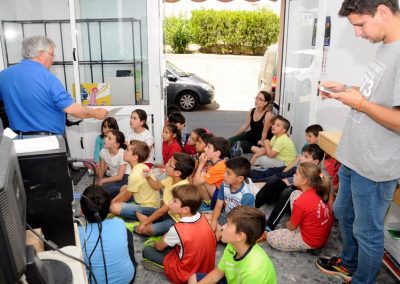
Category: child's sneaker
<point>132,225</point>
<point>333,266</point>
<point>152,266</point>
<point>151,241</point>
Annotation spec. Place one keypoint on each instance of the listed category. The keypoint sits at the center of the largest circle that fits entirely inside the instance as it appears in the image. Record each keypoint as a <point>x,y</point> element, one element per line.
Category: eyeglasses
<point>51,53</point>
<point>259,99</point>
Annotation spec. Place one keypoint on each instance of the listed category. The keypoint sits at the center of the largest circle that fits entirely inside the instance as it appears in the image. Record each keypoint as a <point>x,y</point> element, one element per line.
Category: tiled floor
<point>293,267</point>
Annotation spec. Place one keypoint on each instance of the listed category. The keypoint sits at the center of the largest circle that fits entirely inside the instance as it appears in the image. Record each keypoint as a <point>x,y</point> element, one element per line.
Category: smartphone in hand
<point>326,90</point>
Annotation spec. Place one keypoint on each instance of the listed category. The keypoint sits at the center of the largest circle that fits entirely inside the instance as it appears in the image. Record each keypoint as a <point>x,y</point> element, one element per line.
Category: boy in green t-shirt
<point>278,152</point>
<point>243,261</point>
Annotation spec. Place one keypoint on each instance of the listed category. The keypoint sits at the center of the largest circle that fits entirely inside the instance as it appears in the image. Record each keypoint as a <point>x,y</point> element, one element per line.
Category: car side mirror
<point>171,78</point>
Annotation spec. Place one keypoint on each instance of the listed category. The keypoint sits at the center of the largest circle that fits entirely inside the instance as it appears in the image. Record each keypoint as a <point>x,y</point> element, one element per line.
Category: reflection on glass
<point>113,51</point>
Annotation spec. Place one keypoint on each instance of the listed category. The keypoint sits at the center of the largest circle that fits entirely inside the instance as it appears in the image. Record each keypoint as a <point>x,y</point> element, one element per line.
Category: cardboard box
<point>328,141</point>
<point>33,240</point>
<point>396,197</point>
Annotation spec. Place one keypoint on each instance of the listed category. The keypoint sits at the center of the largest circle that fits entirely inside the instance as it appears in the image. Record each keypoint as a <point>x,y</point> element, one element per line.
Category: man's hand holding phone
<point>328,89</point>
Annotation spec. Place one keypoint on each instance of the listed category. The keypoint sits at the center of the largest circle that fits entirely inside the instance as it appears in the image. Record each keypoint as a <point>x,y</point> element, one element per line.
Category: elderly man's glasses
<point>51,53</point>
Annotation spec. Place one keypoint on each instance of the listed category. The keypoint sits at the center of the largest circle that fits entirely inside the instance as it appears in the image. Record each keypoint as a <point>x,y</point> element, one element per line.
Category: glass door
<point>108,53</point>
<point>301,64</point>
<point>118,63</point>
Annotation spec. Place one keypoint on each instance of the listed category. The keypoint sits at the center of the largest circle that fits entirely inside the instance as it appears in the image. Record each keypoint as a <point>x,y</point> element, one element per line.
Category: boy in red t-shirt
<point>189,246</point>
<point>210,181</point>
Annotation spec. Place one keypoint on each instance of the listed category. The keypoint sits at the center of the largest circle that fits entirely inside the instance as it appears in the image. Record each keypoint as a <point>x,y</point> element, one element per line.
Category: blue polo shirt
<point>34,99</point>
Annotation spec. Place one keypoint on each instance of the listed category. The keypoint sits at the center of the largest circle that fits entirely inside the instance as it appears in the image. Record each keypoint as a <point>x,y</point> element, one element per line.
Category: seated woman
<point>259,121</point>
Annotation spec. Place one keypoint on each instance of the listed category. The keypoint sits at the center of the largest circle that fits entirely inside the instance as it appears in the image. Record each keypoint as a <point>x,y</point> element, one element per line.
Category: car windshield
<point>177,70</point>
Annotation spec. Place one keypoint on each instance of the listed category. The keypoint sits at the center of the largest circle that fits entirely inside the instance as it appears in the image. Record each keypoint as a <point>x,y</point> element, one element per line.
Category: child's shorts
<point>200,276</point>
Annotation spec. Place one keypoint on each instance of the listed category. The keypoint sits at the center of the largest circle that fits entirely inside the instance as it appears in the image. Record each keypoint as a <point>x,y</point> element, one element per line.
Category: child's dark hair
<point>141,149</point>
<point>189,195</point>
<point>366,7</point>
<point>222,145</point>
<point>267,97</point>
<point>248,220</point>
<point>176,117</point>
<point>184,163</point>
<point>142,116</point>
<point>240,166</point>
<point>315,151</point>
<point>95,202</point>
<point>205,136</point>
<point>119,137</point>
<point>200,131</point>
<point>174,130</point>
<point>314,129</point>
<point>172,109</point>
<point>286,123</point>
<point>111,123</point>
<point>321,182</point>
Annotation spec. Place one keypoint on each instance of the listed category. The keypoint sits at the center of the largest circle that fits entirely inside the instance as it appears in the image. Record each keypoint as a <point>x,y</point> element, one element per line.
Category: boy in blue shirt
<point>234,192</point>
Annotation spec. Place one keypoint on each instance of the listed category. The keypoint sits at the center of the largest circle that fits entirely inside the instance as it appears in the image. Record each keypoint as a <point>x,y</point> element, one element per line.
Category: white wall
<point>347,60</point>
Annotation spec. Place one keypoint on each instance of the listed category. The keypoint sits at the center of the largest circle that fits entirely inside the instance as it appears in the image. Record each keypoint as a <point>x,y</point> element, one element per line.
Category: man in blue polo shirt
<point>34,99</point>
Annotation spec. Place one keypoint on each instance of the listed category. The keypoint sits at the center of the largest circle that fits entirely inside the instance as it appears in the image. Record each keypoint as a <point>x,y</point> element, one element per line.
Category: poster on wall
<point>94,94</point>
<point>327,34</point>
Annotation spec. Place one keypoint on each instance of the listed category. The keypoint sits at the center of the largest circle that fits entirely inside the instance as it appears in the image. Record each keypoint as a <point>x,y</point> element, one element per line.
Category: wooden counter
<point>328,141</point>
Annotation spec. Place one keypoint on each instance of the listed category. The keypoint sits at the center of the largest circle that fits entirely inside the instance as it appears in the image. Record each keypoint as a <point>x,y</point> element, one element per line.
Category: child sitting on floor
<point>179,168</point>
<point>146,199</point>
<point>189,245</point>
<point>234,191</point>
<point>113,171</point>
<point>117,243</point>
<point>243,260</point>
<point>210,181</point>
<point>171,141</point>
<point>277,153</point>
<point>311,221</point>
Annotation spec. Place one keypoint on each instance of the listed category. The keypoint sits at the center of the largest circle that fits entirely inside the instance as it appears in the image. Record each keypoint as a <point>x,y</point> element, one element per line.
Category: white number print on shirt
<point>369,83</point>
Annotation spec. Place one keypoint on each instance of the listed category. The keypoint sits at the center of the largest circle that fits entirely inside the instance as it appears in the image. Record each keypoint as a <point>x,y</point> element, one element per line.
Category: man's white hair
<point>32,46</point>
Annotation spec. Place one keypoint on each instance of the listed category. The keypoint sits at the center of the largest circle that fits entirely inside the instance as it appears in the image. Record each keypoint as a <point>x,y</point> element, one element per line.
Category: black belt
<point>34,133</point>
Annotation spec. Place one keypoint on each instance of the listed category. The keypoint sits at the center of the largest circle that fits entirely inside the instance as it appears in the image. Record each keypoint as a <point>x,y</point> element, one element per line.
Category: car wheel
<point>187,101</point>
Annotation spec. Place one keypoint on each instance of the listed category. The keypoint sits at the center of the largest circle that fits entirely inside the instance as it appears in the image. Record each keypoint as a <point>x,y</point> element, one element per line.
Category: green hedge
<point>233,32</point>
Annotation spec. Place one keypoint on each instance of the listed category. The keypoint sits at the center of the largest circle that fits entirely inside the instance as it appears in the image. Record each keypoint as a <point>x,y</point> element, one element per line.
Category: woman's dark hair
<point>142,116</point>
<point>119,137</point>
<point>110,122</point>
<point>95,202</point>
<point>267,98</point>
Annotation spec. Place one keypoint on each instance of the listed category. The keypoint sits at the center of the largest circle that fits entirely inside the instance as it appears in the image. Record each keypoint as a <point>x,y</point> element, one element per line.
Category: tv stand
<point>46,271</point>
<point>76,268</point>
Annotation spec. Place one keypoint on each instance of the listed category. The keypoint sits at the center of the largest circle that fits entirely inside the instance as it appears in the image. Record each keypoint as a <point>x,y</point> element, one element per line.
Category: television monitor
<point>12,215</point>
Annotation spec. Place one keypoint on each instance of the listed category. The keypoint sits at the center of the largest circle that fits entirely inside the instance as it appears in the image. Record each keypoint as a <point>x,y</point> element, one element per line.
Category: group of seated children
<point>199,178</point>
